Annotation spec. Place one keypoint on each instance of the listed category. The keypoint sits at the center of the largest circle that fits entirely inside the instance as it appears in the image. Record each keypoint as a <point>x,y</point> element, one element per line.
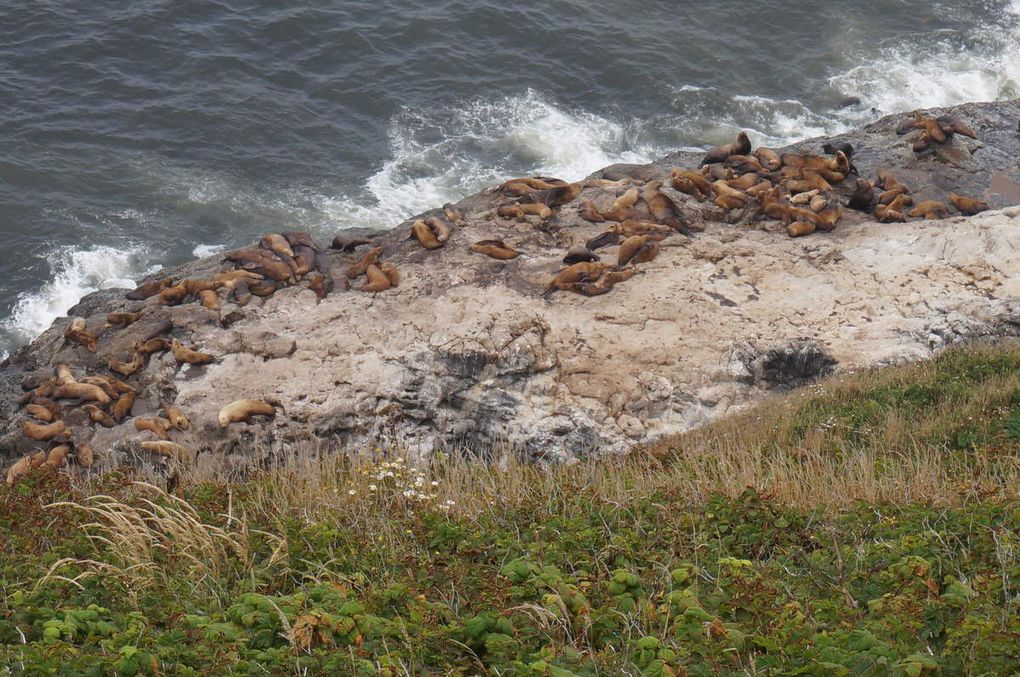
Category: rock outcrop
<point>471,351</point>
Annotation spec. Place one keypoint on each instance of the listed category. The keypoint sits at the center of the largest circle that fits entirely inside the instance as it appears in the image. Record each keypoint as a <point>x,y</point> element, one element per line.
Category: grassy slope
<point>867,526</point>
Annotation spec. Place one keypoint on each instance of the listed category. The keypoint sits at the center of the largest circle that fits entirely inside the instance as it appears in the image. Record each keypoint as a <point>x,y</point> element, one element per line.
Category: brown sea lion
<point>177,418</point>
<point>170,449</point>
<point>304,257</point>
<point>122,407</point>
<point>377,280</point>
<point>348,244</point>
<point>768,158</point>
<point>930,209</point>
<point>949,123</point>
<point>321,284</point>
<point>660,207</point>
<point>692,183</point>
<point>153,345</point>
<point>185,355</point>
<point>530,184</point>
<point>453,214</point>
<point>625,201</point>
<point>264,288</point>
<point>57,457</point>
<point>800,228</point>
<point>23,465</point>
<point>126,368</point>
<point>579,272</point>
<point>554,197</point>
<point>496,249</point>
<point>85,392</point>
<point>968,205</point>
<point>147,289</point>
<point>277,243</point>
<point>97,415</point>
<point>49,405</point>
<point>580,255</point>
<point>604,239</point>
<point>111,386</point>
<point>742,146</point>
<point>77,333</point>
<point>361,265</point>
<point>883,214</point>
<point>603,284</point>
<point>637,249</point>
<point>862,196</point>
<point>83,455</point>
<point>828,217</point>
<point>298,239</point>
<point>209,299</point>
<point>745,164</point>
<point>424,235</point>
<point>160,427</point>
<point>655,230</point>
<point>588,212</point>
<point>39,413</point>
<point>391,272</point>
<point>42,431</point>
<point>243,410</point>
<point>121,319</point>
<point>241,293</point>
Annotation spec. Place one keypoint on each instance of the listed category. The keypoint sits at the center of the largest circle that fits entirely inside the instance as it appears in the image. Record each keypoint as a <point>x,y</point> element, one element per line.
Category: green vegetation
<point>870,525</point>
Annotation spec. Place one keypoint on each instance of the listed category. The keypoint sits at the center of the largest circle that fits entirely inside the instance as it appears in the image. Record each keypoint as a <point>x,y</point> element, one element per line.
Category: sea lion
<point>655,230</point>
<point>742,146</point>
<point>153,345</point>
<point>902,200</point>
<point>637,249</point>
<point>97,415</point>
<point>111,386</point>
<point>177,418</point>
<point>262,261</point>
<point>348,244</point>
<point>887,196</point>
<point>277,243</point>
<point>862,197</point>
<point>298,239</point>
<point>930,209</point>
<point>209,299</point>
<point>321,284</point>
<point>77,333</point>
<point>122,319</point>
<point>818,202</point>
<point>580,255</point>
<point>732,201</point>
<point>49,405</point>
<point>453,214</point>
<point>170,449</point>
<point>391,272</point>
<point>660,207</point>
<point>304,257</point>
<point>830,147</point>
<point>828,217</point>
<point>126,368</point>
<point>692,183</point>
<point>743,182</point>
<point>955,125</point>
<point>604,239</point>
<point>554,197</point>
<point>241,293</point>
<point>147,289</point>
<point>588,212</point>
<point>424,235</point>
<point>183,354</point>
<point>122,407</point>
<point>800,228</point>
<point>804,198</point>
<point>264,288</point>
<point>520,211</point>
<point>83,455</point>
<point>440,228</point>
<point>625,201</point>
<point>85,392</point>
<point>243,410</point>
<point>361,265</point>
<point>23,465</point>
<point>57,458</point>
<point>62,372</point>
<point>745,164</point>
<point>377,280</point>
<point>496,249</point>
<point>768,158</point>
<point>968,205</point>
<point>884,214</point>
<point>530,183</point>
<point>42,432</point>
<point>603,284</point>
<point>174,296</point>
<point>797,214</point>
<point>39,413</point>
<point>160,427</point>
<point>578,272</point>
<point>231,277</point>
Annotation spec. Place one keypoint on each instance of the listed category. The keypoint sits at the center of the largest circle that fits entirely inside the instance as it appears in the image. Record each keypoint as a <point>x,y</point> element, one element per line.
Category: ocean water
<point>140,134</point>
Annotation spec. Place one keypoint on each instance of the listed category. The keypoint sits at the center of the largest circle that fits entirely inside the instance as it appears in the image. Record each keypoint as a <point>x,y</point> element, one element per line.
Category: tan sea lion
<point>637,249</point>
<point>588,212</point>
<point>298,239</point>
<point>828,217</point>
<point>304,257</point>
<point>655,230</point>
<point>455,215</point>
<point>554,197</point>
<point>23,465</point>
<point>147,289</point>
<point>817,203</point>
<point>97,415</point>
<point>113,387</point>
<point>264,288</point>
<point>424,235</point>
<point>160,427</point>
<point>578,272</point>
<point>83,455</point>
<point>361,265</point>
<point>742,146</point>
<point>768,158</point>
<point>243,410</point>
<point>126,368</point>
<point>186,355</point>
<point>169,449</point>
<point>603,284</point>
<point>153,345</point>
<point>968,205</point>
<point>177,418</point>
<point>42,431</point>
<point>85,392</point>
<point>57,457</point>
<point>321,284</point>
<point>800,228</point>
<point>884,214</point>
<point>277,243</point>
<point>209,299</point>
<point>930,209</point>
<point>496,249</point>
<point>49,405</point>
<point>241,293</point>
<point>77,333</point>
<point>122,407</point>
<point>377,280</point>
<point>122,319</point>
<point>39,413</point>
<point>745,164</point>
<point>625,201</point>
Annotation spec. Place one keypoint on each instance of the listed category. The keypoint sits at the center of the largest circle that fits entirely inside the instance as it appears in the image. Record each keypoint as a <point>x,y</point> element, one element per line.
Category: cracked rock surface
<point>468,351</point>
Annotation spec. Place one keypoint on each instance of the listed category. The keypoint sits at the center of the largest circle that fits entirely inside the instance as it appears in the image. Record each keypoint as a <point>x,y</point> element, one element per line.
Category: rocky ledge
<point>717,307</point>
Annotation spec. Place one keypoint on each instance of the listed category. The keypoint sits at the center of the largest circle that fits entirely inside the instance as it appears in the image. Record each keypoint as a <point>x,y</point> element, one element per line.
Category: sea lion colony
<point>806,192</point>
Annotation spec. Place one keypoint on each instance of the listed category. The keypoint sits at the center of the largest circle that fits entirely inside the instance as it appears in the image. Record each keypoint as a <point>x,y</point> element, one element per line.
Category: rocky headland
<point>468,350</point>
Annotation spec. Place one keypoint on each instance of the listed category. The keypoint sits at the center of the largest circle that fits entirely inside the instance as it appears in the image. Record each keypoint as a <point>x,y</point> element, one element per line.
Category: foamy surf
<point>74,273</point>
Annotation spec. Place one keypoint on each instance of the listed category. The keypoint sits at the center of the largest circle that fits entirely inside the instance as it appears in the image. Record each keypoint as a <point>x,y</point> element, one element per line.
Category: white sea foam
<point>479,145</point>
<point>203,250</point>
<point>74,273</point>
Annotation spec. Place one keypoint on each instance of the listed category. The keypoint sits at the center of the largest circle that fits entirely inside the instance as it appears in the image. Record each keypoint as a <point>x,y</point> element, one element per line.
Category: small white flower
<point>372,487</point>
<point>351,492</point>
<point>434,483</point>
<point>449,502</point>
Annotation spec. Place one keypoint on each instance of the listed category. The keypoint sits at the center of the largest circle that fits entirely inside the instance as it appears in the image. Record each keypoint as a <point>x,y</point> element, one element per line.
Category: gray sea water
<point>140,134</point>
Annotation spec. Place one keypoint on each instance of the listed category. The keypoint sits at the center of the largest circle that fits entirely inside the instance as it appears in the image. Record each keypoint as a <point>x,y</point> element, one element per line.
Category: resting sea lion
<point>768,158</point>
<point>496,249</point>
<point>588,212</point>
<point>160,427</point>
<point>97,415</point>
<point>122,319</point>
<point>452,213</point>
<point>183,354</point>
<point>580,255</point>
<point>126,368</point>
<point>243,410</point>
<point>39,413</point>
<point>579,272</point>
<point>968,205</point>
<point>276,243</point>
<point>122,407</point>
<point>800,228</point>
<point>177,418</point>
<point>606,239</point>
<point>23,465</point>
<point>42,431</point>
<point>169,450</point>
<point>391,273</point>
<point>153,345</point>
<point>930,209</point>
<point>377,280</point>
<point>85,392</point>
<point>147,289</point>
<point>424,235</point>
<point>296,239</point>
<point>77,333</point>
<point>637,249</point>
<point>361,265</point>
